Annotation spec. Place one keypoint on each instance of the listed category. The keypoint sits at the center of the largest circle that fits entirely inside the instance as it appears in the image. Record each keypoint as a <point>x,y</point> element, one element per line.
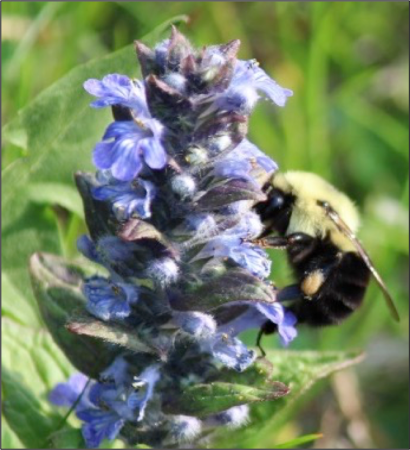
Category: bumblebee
<point>316,224</point>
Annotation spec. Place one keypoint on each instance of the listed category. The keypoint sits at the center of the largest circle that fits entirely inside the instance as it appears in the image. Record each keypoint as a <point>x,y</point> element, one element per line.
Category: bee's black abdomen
<point>340,295</point>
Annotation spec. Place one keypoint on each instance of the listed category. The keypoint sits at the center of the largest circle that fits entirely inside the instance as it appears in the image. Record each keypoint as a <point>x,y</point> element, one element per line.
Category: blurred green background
<point>347,64</point>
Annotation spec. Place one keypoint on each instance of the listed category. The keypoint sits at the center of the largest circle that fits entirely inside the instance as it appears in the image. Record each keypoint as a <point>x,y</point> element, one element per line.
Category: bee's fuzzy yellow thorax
<point>310,218</point>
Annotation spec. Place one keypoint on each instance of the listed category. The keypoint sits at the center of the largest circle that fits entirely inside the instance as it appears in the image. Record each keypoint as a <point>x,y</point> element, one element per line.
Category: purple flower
<point>257,314</point>
<point>231,352</point>
<point>87,247</point>
<point>285,320</point>
<point>108,300</point>
<point>117,372</point>
<point>248,227</point>
<point>143,386</point>
<point>99,425</point>
<point>250,152</point>
<point>127,144</point>
<point>165,232</point>
<point>115,89</point>
<point>118,256</point>
<point>201,225</point>
<point>245,162</point>
<point>130,142</point>
<point>100,421</point>
<point>66,394</point>
<point>233,168</point>
<point>246,255</point>
<point>128,199</point>
<point>250,78</point>
<point>105,407</point>
<point>242,94</point>
<point>105,414</point>
<point>197,324</point>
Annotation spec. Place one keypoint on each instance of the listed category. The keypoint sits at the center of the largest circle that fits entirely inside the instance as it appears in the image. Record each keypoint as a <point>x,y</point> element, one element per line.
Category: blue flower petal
<point>132,144</point>
<point>249,151</point>
<point>251,318</point>
<point>233,168</point>
<point>287,329</point>
<point>87,247</point>
<point>246,255</point>
<point>128,163</point>
<point>66,394</point>
<point>115,89</point>
<point>154,153</point>
<point>257,314</point>
<point>99,425</point>
<point>197,324</point>
<point>285,320</point>
<point>264,83</point>
<point>103,155</point>
<point>232,352</point>
<point>144,389</point>
<point>242,94</point>
<point>123,129</point>
<point>127,199</point>
<point>275,312</point>
<point>108,300</point>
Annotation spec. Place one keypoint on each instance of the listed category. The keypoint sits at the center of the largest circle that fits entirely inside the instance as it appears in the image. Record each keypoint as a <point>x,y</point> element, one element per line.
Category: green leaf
<point>57,286</point>
<point>24,412</point>
<point>56,194</point>
<point>67,437</point>
<point>258,374</point>
<point>204,399</point>
<point>98,215</point>
<point>294,443</point>
<point>18,308</point>
<point>299,371</point>
<point>9,439</point>
<point>37,365</point>
<point>117,334</point>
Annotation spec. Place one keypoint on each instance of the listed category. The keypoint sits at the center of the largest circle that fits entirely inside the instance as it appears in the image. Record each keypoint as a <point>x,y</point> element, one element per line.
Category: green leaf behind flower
<point>299,370</point>
<point>32,365</point>
<point>56,285</point>
<point>202,400</point>
<point>295,443</point>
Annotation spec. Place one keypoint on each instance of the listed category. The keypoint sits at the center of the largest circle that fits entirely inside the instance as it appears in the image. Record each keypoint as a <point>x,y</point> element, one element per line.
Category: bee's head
<point>275,212</point>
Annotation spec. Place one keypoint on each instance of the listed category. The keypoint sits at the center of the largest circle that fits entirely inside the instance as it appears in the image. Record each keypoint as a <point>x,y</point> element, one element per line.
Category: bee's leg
<point>272,242</point>
<point>295,240</point>
<point>258,342</point>
<point>267,328</point>
<point>300,240</point>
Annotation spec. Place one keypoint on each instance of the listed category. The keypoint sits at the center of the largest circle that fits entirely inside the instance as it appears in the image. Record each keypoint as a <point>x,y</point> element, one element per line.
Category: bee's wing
<point>343,228</point>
